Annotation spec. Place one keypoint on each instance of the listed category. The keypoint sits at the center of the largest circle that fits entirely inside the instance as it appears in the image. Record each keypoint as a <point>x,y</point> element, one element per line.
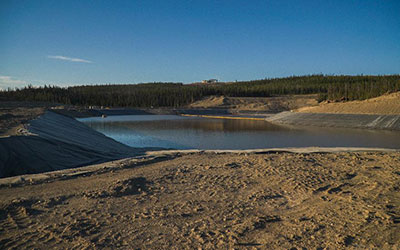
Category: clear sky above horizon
<point>93,42</point>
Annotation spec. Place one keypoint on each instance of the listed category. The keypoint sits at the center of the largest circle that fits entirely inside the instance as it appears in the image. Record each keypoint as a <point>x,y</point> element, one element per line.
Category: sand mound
<point>132,186</point>
<point>388,104</point>
<point>209,102</point>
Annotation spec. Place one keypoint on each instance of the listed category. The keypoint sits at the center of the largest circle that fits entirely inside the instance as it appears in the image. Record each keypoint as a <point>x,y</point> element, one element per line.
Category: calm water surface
<point>170,131</point>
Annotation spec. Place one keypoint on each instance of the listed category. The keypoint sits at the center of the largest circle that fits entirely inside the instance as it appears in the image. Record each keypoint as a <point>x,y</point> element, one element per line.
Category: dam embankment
<point>364,121</point>
<point>54,142</point>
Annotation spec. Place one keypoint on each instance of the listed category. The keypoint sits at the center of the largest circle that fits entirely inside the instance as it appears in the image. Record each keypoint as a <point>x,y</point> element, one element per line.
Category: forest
<point>158,94</point>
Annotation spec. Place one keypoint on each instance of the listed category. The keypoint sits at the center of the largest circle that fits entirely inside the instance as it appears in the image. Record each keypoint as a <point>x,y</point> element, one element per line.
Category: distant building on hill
<point>209,81</point>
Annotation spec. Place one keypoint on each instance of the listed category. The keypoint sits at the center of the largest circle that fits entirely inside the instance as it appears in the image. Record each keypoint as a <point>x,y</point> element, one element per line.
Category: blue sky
<point>92,42</point>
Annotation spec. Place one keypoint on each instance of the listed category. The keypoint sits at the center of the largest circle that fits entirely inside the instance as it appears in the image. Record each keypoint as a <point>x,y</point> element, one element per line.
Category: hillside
<point>388,104</point>
<point>267,104</point>
<point>175,95</point>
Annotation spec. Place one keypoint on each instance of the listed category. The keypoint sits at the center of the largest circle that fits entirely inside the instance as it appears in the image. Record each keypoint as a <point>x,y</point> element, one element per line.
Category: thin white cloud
<point>70,59</point>
<point>10,81</point>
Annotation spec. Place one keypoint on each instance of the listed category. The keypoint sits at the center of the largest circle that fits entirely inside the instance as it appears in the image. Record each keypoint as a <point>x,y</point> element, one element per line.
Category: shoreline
<point>358,121</point>
<point>55,128</point>
<point>225,117</point>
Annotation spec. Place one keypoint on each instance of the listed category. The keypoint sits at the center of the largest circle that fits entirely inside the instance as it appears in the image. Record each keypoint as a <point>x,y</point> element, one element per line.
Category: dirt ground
<point>208,200</point>
<point>388,104</point>
<point>15,115</point>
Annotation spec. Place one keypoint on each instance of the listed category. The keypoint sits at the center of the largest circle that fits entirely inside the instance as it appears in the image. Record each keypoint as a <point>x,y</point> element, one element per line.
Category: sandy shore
<point>226,200</point>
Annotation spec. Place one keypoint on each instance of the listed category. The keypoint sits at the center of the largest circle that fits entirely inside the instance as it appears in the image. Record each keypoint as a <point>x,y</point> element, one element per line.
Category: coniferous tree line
<point>178,94</point>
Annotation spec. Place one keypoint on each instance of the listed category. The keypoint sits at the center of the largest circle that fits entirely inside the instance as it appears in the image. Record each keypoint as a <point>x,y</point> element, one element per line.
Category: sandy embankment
<point>227,200</point>
<point>377,113</point>
<point>383,105</point>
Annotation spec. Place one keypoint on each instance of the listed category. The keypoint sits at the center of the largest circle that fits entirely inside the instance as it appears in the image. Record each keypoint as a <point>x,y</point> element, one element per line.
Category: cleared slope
<point>383,105</point>
<point>268,104</point>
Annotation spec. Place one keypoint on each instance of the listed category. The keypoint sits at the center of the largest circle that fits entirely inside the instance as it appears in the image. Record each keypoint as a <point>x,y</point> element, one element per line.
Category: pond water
<point>170,131</point>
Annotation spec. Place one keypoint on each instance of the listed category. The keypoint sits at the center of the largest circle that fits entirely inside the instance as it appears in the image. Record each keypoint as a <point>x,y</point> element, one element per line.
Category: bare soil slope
<point>383,105</point>
<point>15,115</point>
<point>241,201</point>
<point>269,104</point>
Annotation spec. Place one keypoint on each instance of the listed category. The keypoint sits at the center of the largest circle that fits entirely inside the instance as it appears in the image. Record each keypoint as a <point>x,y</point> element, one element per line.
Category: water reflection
<point>190,132</point>
<point>207,125</point>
